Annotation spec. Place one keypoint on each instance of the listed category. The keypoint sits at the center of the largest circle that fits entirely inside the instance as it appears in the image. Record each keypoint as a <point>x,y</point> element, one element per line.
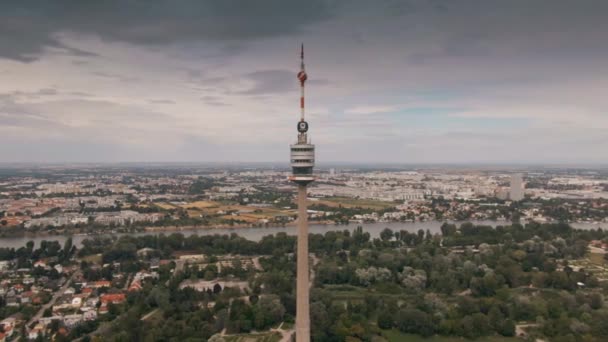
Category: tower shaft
<point>303,283</point>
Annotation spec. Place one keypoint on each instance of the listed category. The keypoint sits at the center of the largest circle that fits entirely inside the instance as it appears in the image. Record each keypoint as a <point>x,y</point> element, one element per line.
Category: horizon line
<point>286,164</point>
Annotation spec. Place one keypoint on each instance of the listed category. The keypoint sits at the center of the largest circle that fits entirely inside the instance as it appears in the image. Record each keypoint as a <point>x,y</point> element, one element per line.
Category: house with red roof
<point>135,286</point>
<point>101,283</point>
<point>114,298</point>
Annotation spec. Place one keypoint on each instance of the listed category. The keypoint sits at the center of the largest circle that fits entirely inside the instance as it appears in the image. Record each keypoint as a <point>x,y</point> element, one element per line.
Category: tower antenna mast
<point>302,77</point>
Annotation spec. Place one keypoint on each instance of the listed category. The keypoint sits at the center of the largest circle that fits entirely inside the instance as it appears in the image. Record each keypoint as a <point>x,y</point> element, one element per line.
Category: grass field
<point>201,205</point>
<point>397,336</point>
<point>165,205</point>
<point>598,259</point>
<point>210,209</point>
<point>262,337</point>
<point>245,218</point>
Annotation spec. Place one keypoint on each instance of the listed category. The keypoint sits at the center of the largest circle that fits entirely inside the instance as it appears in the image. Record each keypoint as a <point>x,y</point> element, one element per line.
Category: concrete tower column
<point>302,286</point>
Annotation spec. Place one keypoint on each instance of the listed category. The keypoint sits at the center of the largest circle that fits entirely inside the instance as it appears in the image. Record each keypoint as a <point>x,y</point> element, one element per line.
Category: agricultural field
<point>165,205</point>
<point>201,205</point>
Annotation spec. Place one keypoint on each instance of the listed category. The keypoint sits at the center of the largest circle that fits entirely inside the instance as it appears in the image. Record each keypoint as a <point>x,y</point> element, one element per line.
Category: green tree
<point>386,234</point>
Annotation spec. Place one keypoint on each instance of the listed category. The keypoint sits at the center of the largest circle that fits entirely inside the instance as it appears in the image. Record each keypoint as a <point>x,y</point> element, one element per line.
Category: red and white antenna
<point>302,77</point>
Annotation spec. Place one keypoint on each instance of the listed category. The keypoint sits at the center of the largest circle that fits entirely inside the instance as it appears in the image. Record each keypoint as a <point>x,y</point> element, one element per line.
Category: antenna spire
<point>302,77</point>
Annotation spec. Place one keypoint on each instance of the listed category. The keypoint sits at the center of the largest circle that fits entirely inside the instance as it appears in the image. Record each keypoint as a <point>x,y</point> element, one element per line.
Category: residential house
<point>72,320</point>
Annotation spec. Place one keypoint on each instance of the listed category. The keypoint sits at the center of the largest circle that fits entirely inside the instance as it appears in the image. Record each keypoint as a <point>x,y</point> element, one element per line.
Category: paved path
<point>149,314</point>
<point>285,334</point>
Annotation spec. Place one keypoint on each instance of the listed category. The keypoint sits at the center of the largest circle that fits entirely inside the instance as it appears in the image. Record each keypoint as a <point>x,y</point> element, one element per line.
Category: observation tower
<point>302,163</point>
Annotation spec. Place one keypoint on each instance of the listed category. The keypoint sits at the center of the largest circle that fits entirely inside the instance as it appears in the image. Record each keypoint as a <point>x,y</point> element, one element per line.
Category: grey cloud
<point>28,26</point>
<point>26,32</point>
<point>29,95</point>
<point>81,94</point>
<point>13,114</point>
<point>202,78</point>
<point>48,91</point>
<point>50,109</point>
<point>161,101</point>
<point>318,81</point>
<point>494,58</point>
<point>116,77</point>
<point>271,82</point>
<point>214,101</point>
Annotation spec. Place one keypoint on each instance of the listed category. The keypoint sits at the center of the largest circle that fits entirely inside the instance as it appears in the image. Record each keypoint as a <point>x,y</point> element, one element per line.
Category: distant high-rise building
<point>517,190</point>
<point>302,162</point>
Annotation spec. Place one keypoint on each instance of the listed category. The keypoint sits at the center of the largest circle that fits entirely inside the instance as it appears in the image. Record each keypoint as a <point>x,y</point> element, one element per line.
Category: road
<point>56,296</point>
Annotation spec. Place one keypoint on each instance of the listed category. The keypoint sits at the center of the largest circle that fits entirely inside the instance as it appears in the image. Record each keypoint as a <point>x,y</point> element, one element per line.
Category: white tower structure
<point>302,162</point>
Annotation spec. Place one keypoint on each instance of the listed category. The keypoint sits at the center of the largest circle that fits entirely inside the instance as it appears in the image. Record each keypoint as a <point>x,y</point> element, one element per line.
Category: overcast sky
<point>389,81</point>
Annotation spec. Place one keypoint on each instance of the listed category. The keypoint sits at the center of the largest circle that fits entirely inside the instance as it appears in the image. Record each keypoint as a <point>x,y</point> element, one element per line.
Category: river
<point>256,234</point>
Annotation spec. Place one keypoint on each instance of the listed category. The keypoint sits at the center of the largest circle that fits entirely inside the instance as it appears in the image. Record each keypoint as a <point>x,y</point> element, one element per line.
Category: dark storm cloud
<point>27,26</point>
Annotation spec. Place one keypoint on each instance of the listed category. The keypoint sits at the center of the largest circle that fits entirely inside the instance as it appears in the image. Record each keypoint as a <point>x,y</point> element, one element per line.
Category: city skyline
<point>403,82</point>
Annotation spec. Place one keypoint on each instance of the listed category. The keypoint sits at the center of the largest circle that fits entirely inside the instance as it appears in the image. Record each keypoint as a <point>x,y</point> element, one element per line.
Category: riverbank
<point>155,229</point>
<point>256,233</point>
